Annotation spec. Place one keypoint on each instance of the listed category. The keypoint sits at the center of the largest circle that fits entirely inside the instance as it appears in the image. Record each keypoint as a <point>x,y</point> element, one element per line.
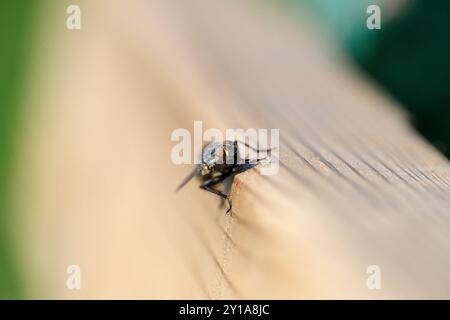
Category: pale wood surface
<point>357,186</point>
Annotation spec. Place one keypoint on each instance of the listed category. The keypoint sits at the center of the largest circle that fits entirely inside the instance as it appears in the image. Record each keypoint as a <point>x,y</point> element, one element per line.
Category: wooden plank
<point>357,186</point>
<point>383,193</point>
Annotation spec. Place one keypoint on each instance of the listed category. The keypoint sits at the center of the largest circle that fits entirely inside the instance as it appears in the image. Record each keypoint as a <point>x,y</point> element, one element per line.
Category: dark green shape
<point>15,23</point>
<point>411,59</point>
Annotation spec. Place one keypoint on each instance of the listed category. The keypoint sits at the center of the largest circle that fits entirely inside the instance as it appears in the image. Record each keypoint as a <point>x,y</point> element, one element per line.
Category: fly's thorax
<point>217,155</point>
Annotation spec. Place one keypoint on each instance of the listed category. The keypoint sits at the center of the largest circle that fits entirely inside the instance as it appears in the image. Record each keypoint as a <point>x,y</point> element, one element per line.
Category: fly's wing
<point>253,148</point>
<point>243,167</point>
<point>194,172</point>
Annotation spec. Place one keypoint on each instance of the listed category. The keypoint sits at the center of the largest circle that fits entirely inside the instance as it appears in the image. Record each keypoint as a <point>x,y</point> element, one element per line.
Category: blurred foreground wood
<point>357,186</point>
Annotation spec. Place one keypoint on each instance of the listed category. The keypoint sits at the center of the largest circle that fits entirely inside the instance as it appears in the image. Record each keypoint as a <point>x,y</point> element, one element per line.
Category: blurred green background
<point>408,57</point>
<point>411,59</point>
<point>15,27</point>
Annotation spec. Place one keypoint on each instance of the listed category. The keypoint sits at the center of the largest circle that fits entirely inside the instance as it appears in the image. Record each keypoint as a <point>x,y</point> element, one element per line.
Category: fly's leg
<point>251,147</point>
<point>209,184</point>
<point>256,161</point>
<point>253,161</point>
